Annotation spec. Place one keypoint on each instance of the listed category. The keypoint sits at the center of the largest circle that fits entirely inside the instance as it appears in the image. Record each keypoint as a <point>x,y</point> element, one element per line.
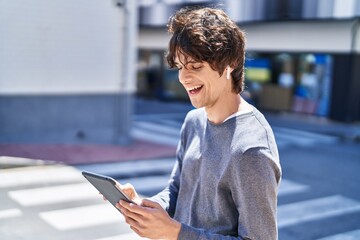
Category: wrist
<point>175,230</point>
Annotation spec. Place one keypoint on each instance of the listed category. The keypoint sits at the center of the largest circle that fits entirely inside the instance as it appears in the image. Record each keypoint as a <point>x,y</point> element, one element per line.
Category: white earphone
<point>228,72</point>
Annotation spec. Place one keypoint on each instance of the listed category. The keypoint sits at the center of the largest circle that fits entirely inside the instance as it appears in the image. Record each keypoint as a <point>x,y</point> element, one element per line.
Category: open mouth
<point>195,89</point>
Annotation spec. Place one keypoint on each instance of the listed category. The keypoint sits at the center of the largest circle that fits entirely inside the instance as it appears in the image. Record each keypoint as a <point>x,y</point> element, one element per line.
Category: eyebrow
<point>189,62</point>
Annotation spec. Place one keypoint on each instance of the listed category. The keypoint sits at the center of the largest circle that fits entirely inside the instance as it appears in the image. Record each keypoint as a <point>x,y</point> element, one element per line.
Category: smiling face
<point>208,35</point>
<point>204,85</point>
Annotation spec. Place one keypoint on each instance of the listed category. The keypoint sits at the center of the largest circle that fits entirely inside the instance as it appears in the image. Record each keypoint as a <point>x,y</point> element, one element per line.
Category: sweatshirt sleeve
<point>167,198</point>
<point>254,187</point>
<point>255,193</point>
<point>187,232</point>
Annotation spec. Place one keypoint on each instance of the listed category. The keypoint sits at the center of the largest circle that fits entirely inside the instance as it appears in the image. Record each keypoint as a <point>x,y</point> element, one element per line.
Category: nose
<point>184,76</point>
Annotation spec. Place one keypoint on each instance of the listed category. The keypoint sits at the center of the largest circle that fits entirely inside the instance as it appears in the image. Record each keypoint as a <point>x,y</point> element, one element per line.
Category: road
<point>319,197</point>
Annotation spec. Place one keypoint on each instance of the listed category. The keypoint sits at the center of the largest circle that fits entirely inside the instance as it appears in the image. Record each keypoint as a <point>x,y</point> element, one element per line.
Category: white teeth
<point>195,87</point>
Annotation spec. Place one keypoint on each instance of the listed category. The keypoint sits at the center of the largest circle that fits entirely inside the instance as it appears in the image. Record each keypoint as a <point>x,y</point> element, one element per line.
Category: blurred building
<point>63,74</point>
<point>67,68</point>
<point>302,55</point>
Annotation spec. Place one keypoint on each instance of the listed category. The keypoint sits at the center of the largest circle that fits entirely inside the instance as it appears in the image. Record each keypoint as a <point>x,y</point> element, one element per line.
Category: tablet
<point>107,187</point>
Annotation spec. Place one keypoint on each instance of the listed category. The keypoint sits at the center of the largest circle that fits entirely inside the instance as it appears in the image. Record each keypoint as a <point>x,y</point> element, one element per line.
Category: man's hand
<point>150,220</point>
<point>129,190</point>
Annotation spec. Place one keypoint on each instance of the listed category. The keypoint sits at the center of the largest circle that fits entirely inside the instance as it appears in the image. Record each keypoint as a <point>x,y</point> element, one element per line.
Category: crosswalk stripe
<point>301,137</point>
<point>289,214</point>
<point>148,135</point>
<point>156,132</point>
<point>290,187</point>
<point>82,217</point>
<point>285,140</point>
<point>133,167</point>
<point>159,128</point>
<point>127,236</point>
<point>19,162</point>
<point>282,143</point>
<point>81,191</point>
<point>172,123</point>
<point>352,235</point>
<point>55,194</point>
<point>151,183</point>
<point>305,211</point>
<point>305,134</point>
<point>157,116</point>
<point>168,133</point>
<point>10,213</point>
<point>316,209</point>
<point>38,175</point>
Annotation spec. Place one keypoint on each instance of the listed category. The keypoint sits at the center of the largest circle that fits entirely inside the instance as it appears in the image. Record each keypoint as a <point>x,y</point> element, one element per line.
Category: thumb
<point>150,204</point>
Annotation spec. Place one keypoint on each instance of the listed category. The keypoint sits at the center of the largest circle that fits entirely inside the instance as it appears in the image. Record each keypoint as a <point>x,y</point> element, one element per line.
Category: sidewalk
<point>83,153</point>
<point>315,124</point>
<point>142,150</point>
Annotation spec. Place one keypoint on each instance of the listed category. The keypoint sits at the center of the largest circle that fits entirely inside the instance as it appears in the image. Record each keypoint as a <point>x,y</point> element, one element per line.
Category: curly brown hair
<point>208,35</point>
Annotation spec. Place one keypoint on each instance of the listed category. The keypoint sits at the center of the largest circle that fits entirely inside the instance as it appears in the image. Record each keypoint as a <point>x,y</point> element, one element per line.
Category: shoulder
<point>255,131</point>
<point>195,117</point>
<point>261,161</point>
<point>254,142</point>
<point>193,123</point>
<point>195,114</point>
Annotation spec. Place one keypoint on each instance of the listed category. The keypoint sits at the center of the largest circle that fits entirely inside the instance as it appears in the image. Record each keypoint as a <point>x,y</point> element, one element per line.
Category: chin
<point>196,104</point>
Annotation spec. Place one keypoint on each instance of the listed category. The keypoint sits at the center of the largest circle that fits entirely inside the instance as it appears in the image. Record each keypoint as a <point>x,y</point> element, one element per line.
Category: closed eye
<point>196,67</point>
<point>178,67</point>
<point>192,66</point>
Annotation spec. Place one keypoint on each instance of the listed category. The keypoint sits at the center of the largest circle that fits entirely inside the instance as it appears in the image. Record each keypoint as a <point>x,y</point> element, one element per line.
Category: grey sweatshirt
<point>225,181</point>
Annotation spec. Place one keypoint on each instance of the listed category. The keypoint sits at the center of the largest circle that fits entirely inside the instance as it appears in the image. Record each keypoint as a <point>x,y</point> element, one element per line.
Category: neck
<point>224,108</point>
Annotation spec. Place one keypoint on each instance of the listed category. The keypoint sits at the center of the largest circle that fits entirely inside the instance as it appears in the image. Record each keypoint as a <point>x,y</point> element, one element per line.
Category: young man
<point>225,181</point>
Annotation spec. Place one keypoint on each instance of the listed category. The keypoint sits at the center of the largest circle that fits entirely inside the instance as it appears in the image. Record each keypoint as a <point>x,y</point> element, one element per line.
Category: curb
<point>16,162</point>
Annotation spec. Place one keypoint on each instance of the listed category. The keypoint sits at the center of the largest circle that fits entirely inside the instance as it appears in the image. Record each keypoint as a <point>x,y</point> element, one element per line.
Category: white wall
<point>60,46</point>
<point>320,36</point>
<point>156,38</point>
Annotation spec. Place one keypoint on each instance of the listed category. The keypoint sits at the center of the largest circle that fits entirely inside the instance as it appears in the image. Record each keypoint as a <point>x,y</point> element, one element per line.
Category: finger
<point>103,196</point>
<point>149,203</point>
<point>131,221</point>
<point>126,187</point>
<point>131,207</point>
<point>129,214</point>
<point>121,208</point>
<point>129,190</point>
<point>137,231</point>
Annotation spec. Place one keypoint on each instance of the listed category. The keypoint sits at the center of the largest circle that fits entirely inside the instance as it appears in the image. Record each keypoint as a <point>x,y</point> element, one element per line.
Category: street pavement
<point>319,197</point>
